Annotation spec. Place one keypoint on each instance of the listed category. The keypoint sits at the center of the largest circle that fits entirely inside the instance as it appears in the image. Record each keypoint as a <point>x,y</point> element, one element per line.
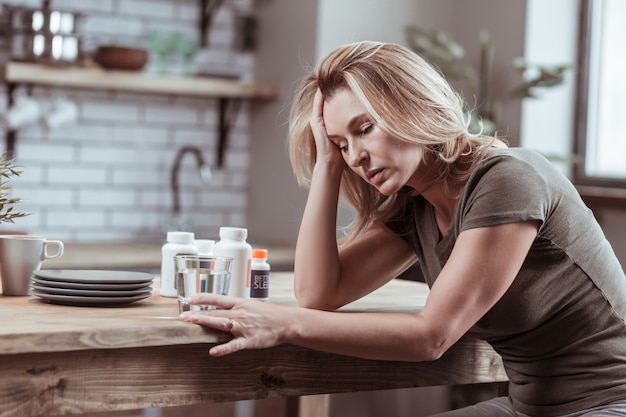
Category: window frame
<point>614,186</point>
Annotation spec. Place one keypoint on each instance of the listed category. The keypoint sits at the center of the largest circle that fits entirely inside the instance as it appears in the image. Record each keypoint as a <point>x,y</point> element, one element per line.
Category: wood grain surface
<point>101,79</point>
<point>33,325</point>
<point>69,360</point>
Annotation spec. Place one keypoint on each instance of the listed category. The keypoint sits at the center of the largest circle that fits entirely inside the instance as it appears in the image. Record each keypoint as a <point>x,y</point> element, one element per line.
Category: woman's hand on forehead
<point>326,150</point>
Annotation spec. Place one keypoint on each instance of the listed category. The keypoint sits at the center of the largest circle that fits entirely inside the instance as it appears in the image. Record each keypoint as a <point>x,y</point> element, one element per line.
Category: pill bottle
<point>233,244</point>
<point>178,243</point>
<point>259,275</point>
<point>204,246</point>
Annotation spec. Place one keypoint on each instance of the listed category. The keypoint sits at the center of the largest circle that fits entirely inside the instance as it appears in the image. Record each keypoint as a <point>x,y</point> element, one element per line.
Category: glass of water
<point>201,274</point>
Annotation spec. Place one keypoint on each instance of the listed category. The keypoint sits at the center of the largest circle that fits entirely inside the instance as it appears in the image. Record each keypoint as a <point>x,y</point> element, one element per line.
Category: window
<point>601,107</point>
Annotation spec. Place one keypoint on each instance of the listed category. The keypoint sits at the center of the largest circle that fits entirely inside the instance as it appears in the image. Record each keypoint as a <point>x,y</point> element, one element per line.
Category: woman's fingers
<point>317,117</point>
<point>234,345</point>
<point>204,318</point>
<point>253,324</point>
<point>326,150</point>
<point>318,107</point>
<point>221,301</point>
<point>226,324</point>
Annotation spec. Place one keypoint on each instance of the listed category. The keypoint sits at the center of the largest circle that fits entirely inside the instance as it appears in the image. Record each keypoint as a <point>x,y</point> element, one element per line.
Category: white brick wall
<point>107,177</point>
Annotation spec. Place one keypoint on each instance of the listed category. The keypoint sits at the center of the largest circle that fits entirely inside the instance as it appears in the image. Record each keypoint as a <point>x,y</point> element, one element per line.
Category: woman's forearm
<point>380,336</point>
<point>376,335</point>
<point>316,268</point>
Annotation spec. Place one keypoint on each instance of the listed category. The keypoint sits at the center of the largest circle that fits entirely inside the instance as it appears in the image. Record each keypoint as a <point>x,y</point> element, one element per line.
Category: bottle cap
<point>236,233</point>
<point>204,246</point>
<point>259,253</point>
<point>180,237</point>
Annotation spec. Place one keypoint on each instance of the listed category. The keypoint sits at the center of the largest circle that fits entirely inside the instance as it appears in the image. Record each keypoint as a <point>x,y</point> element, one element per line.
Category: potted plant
<point>445,53</point>
<point>8,170</point>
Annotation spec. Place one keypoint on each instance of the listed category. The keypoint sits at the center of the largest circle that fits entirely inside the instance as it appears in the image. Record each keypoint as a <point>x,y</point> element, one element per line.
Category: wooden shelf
<point>102,79</point>
<point>228,91</point>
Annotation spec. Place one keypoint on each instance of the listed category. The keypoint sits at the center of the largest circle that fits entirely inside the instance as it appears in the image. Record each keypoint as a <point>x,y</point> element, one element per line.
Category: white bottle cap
<point>235,233</point>
<point>180,237</point>
<point>204,246</point>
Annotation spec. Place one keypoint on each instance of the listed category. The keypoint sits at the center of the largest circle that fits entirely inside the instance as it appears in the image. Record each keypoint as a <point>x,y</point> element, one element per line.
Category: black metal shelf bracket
<point>207,11</point>
<point>228,109</point>
<point>11,134</point>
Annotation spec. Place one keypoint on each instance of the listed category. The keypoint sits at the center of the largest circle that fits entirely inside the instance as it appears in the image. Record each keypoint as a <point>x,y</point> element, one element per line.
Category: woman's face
<point>383,161</point>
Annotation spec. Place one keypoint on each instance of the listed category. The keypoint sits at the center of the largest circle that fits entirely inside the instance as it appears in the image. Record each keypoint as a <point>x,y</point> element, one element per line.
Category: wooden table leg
<point>292,406</point>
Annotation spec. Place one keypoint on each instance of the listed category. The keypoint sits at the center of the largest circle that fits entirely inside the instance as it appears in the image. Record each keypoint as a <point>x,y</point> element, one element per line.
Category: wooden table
<point>69,360</point>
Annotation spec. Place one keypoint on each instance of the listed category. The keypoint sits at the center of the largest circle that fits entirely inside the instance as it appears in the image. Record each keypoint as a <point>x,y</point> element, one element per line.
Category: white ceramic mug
<point>20,256</point>
<point>25,111</point>
<point>62,112</point>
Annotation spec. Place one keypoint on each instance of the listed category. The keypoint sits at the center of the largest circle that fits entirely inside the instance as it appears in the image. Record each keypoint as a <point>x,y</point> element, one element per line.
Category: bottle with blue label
<point>259,275</point>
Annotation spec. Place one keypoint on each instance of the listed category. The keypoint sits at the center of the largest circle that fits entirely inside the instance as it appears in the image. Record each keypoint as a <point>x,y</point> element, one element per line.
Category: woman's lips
<point>374,176</point>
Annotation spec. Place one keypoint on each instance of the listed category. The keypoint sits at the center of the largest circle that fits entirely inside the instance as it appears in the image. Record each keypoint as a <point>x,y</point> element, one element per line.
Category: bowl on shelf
<point>121,58</point>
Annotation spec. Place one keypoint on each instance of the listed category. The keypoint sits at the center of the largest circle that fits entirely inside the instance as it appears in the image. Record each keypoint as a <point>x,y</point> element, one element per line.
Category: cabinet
<point>229,92</point>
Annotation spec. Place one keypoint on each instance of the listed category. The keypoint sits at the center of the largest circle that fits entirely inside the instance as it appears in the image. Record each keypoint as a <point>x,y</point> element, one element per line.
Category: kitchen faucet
<point>205,173</point>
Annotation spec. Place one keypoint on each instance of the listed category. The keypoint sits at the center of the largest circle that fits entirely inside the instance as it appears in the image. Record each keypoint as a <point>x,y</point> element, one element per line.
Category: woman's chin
<point>388,189</point>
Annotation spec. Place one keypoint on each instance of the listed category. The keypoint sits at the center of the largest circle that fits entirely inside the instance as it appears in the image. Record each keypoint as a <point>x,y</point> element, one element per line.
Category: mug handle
<point>59,246</point>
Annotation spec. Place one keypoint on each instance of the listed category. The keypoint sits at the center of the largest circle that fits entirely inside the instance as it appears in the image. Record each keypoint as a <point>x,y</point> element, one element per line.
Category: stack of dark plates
<point>91,287</point>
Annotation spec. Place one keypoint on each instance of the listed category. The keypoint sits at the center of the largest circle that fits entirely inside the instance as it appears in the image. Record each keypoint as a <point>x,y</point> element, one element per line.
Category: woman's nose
<point>357,156</point>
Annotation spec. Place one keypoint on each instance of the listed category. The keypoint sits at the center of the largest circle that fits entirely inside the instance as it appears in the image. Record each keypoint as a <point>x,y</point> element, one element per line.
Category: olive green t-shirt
<point>560,328</point>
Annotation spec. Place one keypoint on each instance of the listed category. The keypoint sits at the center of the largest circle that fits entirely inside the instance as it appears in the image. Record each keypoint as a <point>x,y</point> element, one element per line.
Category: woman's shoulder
<point>519,165</point>
<point>516,155</point>
<point>516,182</point>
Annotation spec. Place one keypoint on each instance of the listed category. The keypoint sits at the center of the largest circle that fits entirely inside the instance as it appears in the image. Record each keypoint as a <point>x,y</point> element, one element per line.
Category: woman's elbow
<point>313,302</point>
<point>313,297</point>
<point>305,297</point>
<point>433,352</point>
<point>434,343</point>
<point>305,300</point>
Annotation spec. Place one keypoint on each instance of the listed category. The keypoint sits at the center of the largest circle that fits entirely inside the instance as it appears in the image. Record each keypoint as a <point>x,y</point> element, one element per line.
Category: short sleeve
<point>504,189</point>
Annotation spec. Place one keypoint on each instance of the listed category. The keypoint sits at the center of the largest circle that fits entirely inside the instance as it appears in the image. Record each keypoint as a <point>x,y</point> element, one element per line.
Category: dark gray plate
<point>91,293</point>
<point>87,286</point>
<point>75,300</point>
<point>94,276</point>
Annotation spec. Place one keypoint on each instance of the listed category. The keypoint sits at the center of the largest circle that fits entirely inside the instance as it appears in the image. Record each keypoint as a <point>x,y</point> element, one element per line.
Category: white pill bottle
<point>233,243</point>
<point>204,246</point>
<point>178,243</point>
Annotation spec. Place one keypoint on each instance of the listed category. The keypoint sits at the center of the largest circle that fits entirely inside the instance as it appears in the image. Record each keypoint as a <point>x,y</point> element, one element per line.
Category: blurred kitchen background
<point>104,180</point>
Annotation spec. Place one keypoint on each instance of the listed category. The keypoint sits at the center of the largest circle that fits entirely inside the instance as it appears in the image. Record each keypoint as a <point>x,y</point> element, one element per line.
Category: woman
<point>509,250</point>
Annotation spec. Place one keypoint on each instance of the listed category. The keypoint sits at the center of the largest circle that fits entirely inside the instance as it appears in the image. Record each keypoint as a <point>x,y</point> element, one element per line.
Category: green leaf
<point>8,170</point>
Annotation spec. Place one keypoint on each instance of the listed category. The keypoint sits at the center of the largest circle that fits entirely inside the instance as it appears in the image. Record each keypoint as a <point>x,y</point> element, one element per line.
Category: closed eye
<point>341,143</point>
<point>365,129</point>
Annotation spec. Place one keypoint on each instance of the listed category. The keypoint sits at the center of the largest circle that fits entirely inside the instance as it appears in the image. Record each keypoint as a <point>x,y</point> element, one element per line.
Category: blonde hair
<point>407,98</point>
